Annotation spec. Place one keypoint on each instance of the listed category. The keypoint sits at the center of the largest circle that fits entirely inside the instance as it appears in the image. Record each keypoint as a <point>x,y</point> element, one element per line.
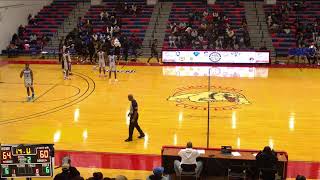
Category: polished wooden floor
<point>87,113</point>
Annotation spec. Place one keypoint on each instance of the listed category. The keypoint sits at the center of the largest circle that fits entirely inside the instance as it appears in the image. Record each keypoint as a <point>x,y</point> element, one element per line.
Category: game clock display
<point>26,160</point>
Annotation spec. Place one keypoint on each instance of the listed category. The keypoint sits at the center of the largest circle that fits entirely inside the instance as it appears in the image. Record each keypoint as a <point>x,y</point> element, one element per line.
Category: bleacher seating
<point>48,20</point>
<point>234,12</point>
<point>180,10</point>
<point>130,24</point>
<point>283,41</point>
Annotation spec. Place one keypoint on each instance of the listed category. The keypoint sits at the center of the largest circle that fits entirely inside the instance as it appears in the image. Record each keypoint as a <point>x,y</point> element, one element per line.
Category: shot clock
<point>26,160</point>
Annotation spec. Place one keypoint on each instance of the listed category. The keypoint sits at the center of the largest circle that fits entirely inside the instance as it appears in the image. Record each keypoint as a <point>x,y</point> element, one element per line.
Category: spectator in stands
<point>205,14</point>
<point>97,176</point>
<point>134,44</point>
<point>269,21</point>
<point>68,172</point>
<point>196,44</point>
<point>80,23</point>
<point>126,8</point>
<point>104,16</point>
<point>286,28</point>
<point>238,3</point>
<point>121,177</point>
<point>116,30</point>
<point>182,26</point>
<point>215,16</point>
<point>230,38</point>
<point>31,20</point>
<point>203,28</point>
<point>172,41</point>
<point>154,51</point>
<point>65,174</point>
<point>117,47</point>
<point>298,5</point>
<point>14,38</point>
<point>197,15</point>
<point>12,50</point>
<point>29,17</point>
<point>21,31</point>
<point>188,157</point>
<point>109,30</point>
<point>60,49</point>
<point>263,47</point>
<point>317,40</point>
<point>125,46</point>
<point>312,55</point>
<point>94,37</point>
<point>45,40</point>
<point>157,174</point>
<point>66,162</point>
<point>300,177</point>
<point>91,50</point>
<point>299,40</point>
<point>194,34</point>
<point>78,178</point>
<point>88,26</point>
<point>134,9</point>
<point>267,163</point>
<point>246,38</point>
<point>33,38</point>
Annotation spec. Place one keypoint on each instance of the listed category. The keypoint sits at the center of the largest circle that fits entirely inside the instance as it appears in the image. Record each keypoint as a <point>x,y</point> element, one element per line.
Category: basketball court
<point>250,108</point>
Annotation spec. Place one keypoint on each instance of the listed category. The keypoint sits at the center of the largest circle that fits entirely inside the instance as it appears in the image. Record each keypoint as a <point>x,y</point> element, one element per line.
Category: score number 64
<point>6,155</point>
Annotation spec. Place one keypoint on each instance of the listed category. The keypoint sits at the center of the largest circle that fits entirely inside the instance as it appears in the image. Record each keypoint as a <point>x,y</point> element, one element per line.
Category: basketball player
<point>102,63</point>
<point>67,64</point>
<point>69,61</point>
<point>112,66</point>
<point>28,80</point>
<point>154,51</point>
<point>117,46</point>
<point>133,114</point>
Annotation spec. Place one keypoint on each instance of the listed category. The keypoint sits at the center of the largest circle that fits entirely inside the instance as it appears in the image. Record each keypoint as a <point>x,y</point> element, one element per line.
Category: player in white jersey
<point>112,66</point>
<point>102,63</point>
<point>67,64</point>
<point>28,80</point>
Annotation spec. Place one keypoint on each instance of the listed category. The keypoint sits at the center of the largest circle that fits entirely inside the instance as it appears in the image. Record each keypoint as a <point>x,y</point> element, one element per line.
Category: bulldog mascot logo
<point>197,97</point>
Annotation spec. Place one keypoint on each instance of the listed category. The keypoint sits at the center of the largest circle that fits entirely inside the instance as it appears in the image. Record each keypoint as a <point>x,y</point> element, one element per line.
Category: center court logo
<point>197,97</point>
<point>214,57</point>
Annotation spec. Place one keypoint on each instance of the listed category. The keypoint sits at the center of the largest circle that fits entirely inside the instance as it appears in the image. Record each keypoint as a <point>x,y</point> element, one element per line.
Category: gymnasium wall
<point>12,17</point>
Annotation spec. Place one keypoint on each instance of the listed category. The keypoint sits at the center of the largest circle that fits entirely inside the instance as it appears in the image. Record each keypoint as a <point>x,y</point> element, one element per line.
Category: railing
<point>156,24</point>
<point>259,21</point>
<point>157,21</point>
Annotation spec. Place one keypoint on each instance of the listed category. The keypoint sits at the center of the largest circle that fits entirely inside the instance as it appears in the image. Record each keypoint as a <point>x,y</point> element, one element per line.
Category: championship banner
<point>245,57</point>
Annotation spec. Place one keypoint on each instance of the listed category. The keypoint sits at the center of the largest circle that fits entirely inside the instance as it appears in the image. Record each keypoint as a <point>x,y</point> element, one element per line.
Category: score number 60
<point>43,154</point>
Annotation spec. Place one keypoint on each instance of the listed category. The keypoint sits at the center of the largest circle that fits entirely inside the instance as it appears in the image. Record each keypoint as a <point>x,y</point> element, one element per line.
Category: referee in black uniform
<point>133,114</point>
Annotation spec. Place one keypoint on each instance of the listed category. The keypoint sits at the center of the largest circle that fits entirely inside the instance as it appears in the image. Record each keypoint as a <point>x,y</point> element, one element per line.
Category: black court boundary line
<point>55,85</point>
<point>88,86</point>
<point>61,99</point>
<point>58,108</point>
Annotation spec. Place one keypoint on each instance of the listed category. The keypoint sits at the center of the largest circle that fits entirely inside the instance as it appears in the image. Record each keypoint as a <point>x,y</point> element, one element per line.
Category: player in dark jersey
<point>133,114</point>
<point>154,51</point>
<point>28,80</point>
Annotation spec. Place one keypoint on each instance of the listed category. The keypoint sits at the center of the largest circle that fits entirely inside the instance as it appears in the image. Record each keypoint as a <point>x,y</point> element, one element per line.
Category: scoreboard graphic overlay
<point>26,160</point>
